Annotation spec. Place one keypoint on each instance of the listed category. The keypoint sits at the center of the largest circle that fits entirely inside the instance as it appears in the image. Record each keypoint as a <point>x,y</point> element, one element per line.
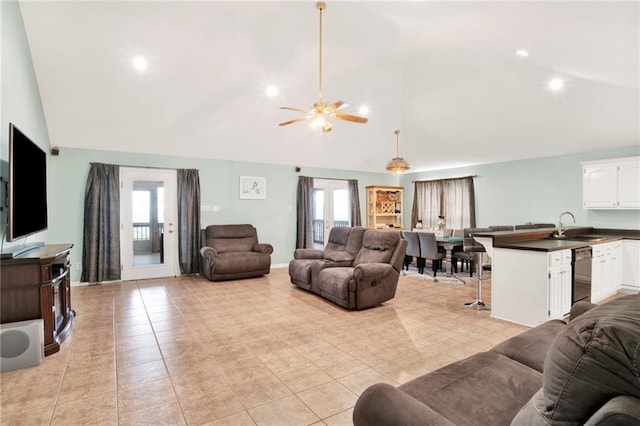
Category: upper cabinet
<point>611,184</point>
<point>384,207</point>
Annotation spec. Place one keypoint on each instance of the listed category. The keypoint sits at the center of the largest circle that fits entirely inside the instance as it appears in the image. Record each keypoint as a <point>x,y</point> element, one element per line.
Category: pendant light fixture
<point>398,164</point>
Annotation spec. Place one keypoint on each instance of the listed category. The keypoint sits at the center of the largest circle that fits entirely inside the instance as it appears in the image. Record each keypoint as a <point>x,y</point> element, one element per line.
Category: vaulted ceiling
<point>445,73</point>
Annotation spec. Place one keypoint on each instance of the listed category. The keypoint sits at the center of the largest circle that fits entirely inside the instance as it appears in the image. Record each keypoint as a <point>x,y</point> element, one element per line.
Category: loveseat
<point>230,252</point>
<point>586,372</point>
<point>358,269</point>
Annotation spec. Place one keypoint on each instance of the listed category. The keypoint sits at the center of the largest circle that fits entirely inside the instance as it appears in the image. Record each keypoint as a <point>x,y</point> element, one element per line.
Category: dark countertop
<point>539,239</point>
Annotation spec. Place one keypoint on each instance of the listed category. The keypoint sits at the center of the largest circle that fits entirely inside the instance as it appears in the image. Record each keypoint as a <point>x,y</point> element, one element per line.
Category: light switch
<point>205,208</point>
<point>215,208</point>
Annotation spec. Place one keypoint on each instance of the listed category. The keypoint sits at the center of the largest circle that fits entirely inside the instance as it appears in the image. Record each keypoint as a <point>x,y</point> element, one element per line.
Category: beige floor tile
<point>344,418</point>
<point>288,411</point>
<point>303,377</point>
<point>238,419</point>
<point>146,395</point>
<point>164,415</point>
<point>358,382</point>
<point>93,408</point>
<point>328,399</point>
<point>199,408</point>
<point>260,389</point>
<point>136,374</point>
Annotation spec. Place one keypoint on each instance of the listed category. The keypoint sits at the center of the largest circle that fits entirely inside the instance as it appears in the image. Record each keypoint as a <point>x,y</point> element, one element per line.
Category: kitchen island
<point>533,276</point>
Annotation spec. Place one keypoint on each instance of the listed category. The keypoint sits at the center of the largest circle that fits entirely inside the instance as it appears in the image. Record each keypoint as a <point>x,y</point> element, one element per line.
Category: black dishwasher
<point>581,285</point>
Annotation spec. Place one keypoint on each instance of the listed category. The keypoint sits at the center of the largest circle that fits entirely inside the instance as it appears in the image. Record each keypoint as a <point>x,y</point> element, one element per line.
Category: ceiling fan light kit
<point>321,112</point>
<point>397,164</point>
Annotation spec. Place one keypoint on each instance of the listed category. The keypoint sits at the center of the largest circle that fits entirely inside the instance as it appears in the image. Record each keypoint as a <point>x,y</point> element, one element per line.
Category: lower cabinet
<point>530,287</point>
<point>606,270</point>
<point>630,265</point>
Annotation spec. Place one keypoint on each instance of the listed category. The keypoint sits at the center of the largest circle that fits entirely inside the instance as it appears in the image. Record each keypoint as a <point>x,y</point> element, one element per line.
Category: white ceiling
<point>444,73</point>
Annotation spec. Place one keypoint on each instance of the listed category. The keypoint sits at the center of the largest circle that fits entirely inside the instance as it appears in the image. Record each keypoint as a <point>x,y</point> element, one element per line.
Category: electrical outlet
<point>79,267</point>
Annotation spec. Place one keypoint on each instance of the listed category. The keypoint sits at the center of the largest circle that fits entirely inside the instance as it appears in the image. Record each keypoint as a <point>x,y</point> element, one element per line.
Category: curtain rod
<point>459,177</point>
<point>143,167</point>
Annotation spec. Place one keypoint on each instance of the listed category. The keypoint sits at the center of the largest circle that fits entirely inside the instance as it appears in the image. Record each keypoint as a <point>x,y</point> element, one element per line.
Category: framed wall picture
<point>253,188</point>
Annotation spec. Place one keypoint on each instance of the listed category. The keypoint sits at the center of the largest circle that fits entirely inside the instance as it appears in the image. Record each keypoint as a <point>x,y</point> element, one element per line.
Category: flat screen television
<point>27,193</point>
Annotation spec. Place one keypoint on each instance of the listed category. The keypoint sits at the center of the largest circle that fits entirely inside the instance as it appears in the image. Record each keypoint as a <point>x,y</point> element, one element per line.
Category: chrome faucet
<point>560,231</point>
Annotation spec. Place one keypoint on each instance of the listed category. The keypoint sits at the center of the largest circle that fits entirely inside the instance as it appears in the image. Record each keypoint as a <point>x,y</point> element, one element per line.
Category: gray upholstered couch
<point>358,269</point>
<point>586,372</point>
<point>232,252</point>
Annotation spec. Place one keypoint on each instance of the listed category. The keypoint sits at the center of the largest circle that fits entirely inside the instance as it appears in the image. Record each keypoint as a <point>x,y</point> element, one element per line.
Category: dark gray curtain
<point>304,209</point>
<point>189,221</point>
<point>354,203</point>
<point>101,235</point>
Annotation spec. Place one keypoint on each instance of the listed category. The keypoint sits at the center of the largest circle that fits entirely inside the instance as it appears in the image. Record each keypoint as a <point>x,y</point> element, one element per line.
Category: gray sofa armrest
<point>384,405</point>
<point>308,254</point>
<point>621,410</point>
<point>263,248</point>
<point>580,308</point>
<point>369,272</point>
<point>208,253</point>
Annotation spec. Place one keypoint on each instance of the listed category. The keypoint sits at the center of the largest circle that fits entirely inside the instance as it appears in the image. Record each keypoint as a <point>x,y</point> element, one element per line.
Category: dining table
<point>449,244</point>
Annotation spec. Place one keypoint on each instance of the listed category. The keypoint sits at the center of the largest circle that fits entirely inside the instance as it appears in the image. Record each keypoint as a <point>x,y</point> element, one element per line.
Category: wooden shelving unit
<point>384,207</point>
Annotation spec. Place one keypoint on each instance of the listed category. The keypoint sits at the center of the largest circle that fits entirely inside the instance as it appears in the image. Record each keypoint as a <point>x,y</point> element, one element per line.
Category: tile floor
<point>250,352</point>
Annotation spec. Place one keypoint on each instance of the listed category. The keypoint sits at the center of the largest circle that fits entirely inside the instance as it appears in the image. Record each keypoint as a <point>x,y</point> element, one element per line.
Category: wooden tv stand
<point>37,284</point>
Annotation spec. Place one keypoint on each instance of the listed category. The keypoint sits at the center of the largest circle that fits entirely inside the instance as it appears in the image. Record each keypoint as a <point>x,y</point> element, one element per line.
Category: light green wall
<point>274,217</point>
<point>537,190</point>
<point>19,98</point>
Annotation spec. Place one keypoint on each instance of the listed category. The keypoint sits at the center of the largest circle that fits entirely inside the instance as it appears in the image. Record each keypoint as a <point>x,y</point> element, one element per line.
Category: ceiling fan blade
<point>337,106</point>
<point>295,120</point>
<point>352,118</point>
<point>296,109</point>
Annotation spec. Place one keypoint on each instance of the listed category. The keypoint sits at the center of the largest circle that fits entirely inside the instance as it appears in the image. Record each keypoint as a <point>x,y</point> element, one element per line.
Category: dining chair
<point>429,250</point>
<point>413,248</point>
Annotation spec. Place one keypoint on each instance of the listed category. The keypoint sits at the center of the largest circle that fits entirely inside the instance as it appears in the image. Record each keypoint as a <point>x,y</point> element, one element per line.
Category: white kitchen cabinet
<point>530,287</point>
<point>560,290</point>
<point>611,184</point>
<point>606,270</point>
<point>630,265</point>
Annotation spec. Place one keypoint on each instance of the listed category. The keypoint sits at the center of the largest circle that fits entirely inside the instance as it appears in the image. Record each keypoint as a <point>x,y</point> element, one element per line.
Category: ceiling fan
<point>320,111</point>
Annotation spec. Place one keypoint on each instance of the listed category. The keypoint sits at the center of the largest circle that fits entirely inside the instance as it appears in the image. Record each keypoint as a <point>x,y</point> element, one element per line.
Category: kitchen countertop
<point>537,239</point>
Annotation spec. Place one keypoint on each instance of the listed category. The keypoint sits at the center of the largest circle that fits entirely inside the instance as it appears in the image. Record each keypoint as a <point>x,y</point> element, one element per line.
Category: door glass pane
<point>341,207</point>
<point>318,216</point>
<point>148,223</point>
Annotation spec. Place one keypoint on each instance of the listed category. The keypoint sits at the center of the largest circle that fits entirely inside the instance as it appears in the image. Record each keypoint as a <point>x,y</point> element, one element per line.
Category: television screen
<point>27,186</point>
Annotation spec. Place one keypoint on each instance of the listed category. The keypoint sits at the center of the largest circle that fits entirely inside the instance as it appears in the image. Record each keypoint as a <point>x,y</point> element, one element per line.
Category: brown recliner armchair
<point>232,252</point>
<point>372,279</point>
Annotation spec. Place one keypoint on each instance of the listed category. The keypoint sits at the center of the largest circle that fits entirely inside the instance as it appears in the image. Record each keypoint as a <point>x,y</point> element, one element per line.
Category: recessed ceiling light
<point>140,63</point>
<point>272,90</point>
<point>555,84</point>
<point>364,110</point>
<point>522,52</point>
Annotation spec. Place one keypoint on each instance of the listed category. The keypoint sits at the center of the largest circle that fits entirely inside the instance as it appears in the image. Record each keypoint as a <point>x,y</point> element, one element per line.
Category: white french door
<point>330,208</point>
<point>148,212</point>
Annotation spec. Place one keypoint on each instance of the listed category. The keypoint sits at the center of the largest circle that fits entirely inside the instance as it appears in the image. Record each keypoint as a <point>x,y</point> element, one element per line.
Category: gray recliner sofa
<point>230,252</point>
<point>358,269</point>
<point>586,372</point>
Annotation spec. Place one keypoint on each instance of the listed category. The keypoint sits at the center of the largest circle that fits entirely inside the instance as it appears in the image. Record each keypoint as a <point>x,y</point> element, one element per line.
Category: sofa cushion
<point>595,358</point>
<point>377,247</point>
<point>530,347</point>
<point>231,238</point>
<point>229,263</point>
<point>339,256</point>
<point>334,284</point>
<point>300,270</point>
<point>485,388</point>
